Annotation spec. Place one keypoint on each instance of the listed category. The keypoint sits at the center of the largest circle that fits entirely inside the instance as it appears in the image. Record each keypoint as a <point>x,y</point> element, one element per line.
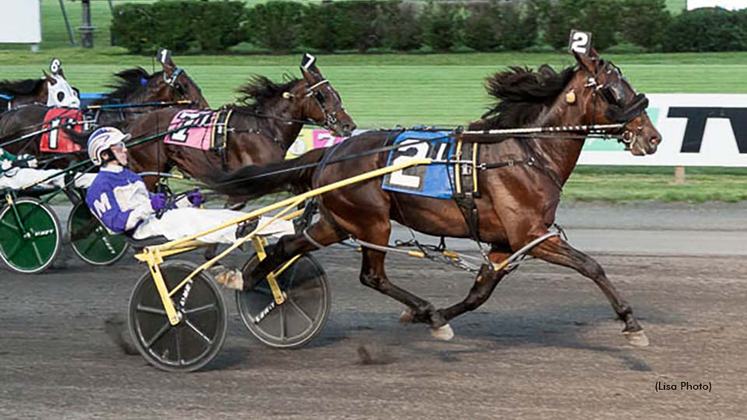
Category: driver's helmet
<point>101,140</point>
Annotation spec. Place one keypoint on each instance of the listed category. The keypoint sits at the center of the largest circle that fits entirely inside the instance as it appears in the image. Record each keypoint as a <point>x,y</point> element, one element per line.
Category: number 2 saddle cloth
<point>204,130</point>
<point>436,180</point>
<point>56,140</point>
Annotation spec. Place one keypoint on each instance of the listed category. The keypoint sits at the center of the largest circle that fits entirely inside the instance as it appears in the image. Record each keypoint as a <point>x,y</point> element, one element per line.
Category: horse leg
<point>373,276</point>
<point>557,251</point>
<point>288,246</point>
<point>485,282</point>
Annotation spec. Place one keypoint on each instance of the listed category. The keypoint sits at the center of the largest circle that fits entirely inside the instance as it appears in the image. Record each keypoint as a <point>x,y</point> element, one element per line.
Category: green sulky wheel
<point>197,338</point>
<point>90,239</point>
<point>29,235</point>
<point>297,320</point>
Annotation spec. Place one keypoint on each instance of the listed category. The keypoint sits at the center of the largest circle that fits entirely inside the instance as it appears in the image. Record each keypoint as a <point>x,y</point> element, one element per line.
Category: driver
<point>120,199</point>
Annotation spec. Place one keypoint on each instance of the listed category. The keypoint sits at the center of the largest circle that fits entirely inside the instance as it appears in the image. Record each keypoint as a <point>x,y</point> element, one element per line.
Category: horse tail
<point>258,180</point>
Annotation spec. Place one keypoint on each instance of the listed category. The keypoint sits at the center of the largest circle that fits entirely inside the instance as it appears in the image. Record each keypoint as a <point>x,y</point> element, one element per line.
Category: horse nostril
<point>654,140</point>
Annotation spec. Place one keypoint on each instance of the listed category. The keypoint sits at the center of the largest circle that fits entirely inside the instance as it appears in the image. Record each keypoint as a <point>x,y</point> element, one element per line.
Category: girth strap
<point>219,135</point>
<point>465,186</point>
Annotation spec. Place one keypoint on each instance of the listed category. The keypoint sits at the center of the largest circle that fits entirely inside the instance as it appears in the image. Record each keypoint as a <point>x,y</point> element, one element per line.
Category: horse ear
<point>588,62</point>
<point>164,57</point>
<point>49,78</point>
<point>309,69</point>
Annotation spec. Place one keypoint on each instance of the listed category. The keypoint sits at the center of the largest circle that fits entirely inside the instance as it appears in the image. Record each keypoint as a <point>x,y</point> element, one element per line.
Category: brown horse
<point>134,86</point>
<point>260,130</point>
<point>517,203</point>
<point>22,92</point>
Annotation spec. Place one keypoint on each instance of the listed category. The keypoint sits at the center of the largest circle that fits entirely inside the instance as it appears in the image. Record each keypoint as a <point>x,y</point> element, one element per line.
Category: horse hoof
<point>407,316</point>
<point>444,333</point>
<point>637,338</point>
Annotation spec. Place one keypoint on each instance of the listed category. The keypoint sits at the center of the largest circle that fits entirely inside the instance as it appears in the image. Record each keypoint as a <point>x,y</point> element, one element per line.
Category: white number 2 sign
<point>580,42</point>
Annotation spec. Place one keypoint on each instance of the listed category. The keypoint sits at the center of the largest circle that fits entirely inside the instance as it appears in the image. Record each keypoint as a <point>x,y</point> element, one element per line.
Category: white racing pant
<point>23,177</point>
<point>180,223</point>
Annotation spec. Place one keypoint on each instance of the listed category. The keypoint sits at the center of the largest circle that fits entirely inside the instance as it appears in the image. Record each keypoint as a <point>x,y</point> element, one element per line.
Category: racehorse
<point>265,122</point>
<point>520,179</point>
<point>134,86</point>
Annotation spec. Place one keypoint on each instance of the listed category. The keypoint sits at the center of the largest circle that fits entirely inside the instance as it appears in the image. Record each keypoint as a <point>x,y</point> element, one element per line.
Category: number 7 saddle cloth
<point>204,130</point>
<point>436,180</point>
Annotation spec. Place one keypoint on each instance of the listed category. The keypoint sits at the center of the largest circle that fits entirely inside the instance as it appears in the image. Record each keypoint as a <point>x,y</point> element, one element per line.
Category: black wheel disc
<point>194,341</point>
<point>303,314</point>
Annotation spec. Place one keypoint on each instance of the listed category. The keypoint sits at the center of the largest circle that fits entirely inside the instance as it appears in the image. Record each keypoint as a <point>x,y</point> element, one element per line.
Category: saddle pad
<point>433,180</point>
<point>198,129</point>
<point>57,141</point>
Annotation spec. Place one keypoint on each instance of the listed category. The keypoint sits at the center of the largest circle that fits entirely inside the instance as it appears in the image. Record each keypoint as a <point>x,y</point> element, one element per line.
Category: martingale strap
<point>466,187</point>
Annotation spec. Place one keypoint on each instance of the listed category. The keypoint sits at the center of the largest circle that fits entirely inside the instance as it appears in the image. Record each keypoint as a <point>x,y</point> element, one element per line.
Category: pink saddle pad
<point>195,129</point>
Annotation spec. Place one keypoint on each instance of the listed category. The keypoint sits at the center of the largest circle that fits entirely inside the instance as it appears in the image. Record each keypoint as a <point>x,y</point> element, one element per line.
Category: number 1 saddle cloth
<point>436,180</point>
<point>56,140</point>
<point>204,130</point>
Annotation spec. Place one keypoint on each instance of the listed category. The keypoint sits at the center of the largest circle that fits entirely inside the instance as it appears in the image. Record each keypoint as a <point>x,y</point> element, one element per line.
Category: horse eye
<point>60,96</point>
<point>319,96</point>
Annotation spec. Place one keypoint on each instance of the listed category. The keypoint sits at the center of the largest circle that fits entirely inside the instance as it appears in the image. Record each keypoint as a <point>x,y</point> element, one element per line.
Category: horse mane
<point>20,87</point>
<point>128,81</point>
<point>259,90</point>
<point>522,94</point>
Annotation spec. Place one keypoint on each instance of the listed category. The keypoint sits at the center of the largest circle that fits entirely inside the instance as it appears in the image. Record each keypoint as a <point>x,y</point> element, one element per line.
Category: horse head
<point>59,91</point>
<point>176,85</point>
<point>319,101</point>
<point>172,84</point>
<point>608,98</point>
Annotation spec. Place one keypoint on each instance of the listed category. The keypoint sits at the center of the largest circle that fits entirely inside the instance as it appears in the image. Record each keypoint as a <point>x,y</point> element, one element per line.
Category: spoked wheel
<point>90,239</point>
<point>303,314</point>
<point>197,338</point>
<point>29,236</point>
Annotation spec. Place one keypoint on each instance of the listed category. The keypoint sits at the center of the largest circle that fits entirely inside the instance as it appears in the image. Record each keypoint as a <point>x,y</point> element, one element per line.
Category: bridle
<point>171,81</point>
<point>329,117</point>
<point>620,111</point>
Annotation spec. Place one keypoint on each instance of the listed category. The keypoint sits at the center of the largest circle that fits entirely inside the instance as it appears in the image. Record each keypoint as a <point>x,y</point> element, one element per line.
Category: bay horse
<point>517,203</point>
<point>22,92</point>
<point>263,125</point>
<point>133,86</point>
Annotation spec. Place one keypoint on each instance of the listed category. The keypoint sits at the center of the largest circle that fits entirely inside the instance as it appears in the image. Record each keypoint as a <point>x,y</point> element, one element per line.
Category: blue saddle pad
<point>433,180</point>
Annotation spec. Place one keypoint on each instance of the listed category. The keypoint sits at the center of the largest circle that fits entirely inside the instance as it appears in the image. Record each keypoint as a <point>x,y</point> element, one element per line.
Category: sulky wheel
<point>90,239</point>
<point>29,235</point>
<point>197,338</point>
<point>303,314</point>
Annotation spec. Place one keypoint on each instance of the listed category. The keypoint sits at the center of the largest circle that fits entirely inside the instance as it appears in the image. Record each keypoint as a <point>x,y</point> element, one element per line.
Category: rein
<point>138,105</point>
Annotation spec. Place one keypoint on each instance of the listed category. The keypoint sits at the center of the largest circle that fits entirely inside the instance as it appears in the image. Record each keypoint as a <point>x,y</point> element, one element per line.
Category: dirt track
<point>545,346</point>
